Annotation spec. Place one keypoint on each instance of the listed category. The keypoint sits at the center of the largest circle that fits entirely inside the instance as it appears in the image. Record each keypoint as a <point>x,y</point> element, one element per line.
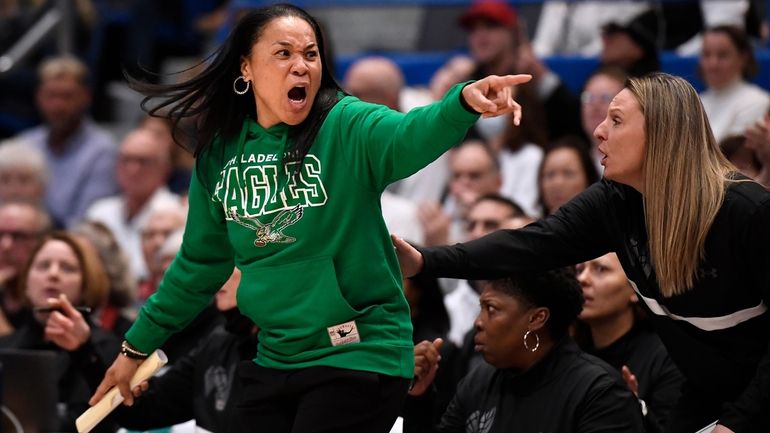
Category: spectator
<point>144,164</point>
<point>23,173</point>
<point>744,14</point>
<point>599,89</point>
<point>17,85</point>
<point>21,227</point>
<point>620,336</point>
<point>182,162</point>
<point>163,220</point>
<point>63,273</point>
<point>566,171</point>
<point>377,80</point>
<point>79,154</point>
<point>632,47</point>
<point>532,363</point>
<point>498,46</point>
<point>474,171</point>
<point>454,71</point>
<point>731,102</point>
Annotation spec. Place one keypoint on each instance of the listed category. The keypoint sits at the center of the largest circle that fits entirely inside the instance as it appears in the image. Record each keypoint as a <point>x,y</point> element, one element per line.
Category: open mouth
<point>297,94</point>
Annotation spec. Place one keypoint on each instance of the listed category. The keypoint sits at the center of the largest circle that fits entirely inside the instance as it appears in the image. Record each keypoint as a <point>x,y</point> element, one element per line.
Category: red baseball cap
<point>494,11</point>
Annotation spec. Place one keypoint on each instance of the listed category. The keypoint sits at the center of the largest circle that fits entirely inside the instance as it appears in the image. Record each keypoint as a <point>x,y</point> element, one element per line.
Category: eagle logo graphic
<point>272,232</point>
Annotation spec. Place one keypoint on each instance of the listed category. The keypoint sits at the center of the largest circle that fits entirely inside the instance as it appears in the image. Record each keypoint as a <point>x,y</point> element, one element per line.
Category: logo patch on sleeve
<point>344,333</point>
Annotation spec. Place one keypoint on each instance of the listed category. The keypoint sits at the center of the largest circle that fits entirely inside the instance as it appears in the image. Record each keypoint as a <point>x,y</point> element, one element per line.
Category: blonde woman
<point>692,235</point>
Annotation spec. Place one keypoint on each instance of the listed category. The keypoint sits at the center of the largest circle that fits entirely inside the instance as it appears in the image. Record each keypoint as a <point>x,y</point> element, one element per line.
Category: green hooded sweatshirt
<point>320,275</point>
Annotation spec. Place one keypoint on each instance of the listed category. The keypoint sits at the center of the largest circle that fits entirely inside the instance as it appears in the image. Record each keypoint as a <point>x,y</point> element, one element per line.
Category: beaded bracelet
<point>129,351</point>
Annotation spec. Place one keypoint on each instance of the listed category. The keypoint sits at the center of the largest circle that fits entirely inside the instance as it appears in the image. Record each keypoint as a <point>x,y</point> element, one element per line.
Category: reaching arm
<point>580,230</point>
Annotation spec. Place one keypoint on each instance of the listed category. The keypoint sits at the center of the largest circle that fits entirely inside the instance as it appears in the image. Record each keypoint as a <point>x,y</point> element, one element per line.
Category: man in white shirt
<point>143,168</point>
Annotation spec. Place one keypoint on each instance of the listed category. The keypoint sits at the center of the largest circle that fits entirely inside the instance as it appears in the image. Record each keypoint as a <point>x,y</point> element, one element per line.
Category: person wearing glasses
<point>599,89</point>
<point>21,226</point>
<point>143,168</point>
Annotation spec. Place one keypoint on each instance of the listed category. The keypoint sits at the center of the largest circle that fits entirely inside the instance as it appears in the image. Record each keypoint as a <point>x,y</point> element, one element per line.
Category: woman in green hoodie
<point>287,187</point>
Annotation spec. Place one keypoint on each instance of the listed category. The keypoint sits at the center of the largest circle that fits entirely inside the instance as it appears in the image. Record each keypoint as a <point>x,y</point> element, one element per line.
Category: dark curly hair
<point>557,289</point>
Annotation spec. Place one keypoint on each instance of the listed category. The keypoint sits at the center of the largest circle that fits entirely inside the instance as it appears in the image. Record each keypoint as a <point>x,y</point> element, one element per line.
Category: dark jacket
<point>717,333</point>
<point>568,391</point>
<point>201,385</point>
<point>659,380</point>
<point>80,371</point>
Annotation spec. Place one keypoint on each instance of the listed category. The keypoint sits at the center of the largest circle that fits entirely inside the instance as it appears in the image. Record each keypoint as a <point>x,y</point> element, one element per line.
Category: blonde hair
<point>685,180</point>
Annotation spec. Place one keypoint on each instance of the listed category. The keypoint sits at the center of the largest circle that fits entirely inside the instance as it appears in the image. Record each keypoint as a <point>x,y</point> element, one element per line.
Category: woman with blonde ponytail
<point>693,237</point>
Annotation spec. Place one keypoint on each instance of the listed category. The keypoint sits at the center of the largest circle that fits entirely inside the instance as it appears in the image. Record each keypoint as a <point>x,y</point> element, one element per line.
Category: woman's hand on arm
<point>492,95</point>
<point>66,327</point>
<point>409,259</point>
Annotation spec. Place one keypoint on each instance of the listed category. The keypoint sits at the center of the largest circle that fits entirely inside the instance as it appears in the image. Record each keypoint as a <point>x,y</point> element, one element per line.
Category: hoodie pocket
<point>294,304</point>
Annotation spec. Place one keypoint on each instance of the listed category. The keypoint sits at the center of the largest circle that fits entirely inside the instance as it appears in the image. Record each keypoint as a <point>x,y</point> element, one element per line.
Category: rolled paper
<point>96,413</point>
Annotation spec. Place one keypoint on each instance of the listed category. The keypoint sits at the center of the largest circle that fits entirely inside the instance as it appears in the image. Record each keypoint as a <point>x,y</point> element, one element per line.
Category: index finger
<point>67,307</point>
<point>512,80</point>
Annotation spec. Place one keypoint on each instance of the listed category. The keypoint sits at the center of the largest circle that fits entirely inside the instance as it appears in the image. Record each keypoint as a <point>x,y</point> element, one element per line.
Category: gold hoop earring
<point>245,89</point>
<point>537,341</point>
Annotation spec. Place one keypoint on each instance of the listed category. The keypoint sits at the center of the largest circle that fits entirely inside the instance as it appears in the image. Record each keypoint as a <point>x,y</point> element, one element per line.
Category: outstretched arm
<point>383,145</point>
<point>582,229</point>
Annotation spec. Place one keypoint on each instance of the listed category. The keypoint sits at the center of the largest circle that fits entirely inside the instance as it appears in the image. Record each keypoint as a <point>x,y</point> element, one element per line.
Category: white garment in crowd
<point>427,185</point>
<point>715,13</point>
<point>400,217</point>
<point>111,211</point>
<point>462,305</point>
<point>574,27</point>
<point>735,108</point>
<point>519,171</point>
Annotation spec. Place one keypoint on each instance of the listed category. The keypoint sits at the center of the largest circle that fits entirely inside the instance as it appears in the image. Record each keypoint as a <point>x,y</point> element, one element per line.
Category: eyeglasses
<point>487,224</point>
<point>141,161</point>
<point>149,234</point>
<point>592,98</point>
<point>19,236</point>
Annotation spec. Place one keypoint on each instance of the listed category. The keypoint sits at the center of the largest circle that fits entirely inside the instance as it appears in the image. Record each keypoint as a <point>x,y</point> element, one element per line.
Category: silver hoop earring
<point>245,89</point>
<point>537,341</point>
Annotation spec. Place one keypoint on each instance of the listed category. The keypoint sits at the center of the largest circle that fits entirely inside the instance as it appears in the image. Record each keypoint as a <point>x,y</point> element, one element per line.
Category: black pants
<point>317,400</point>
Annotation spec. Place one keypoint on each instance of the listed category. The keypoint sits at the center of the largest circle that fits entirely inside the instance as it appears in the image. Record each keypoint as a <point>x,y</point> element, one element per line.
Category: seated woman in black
<point>614,329</point>
<point>536,378</point>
